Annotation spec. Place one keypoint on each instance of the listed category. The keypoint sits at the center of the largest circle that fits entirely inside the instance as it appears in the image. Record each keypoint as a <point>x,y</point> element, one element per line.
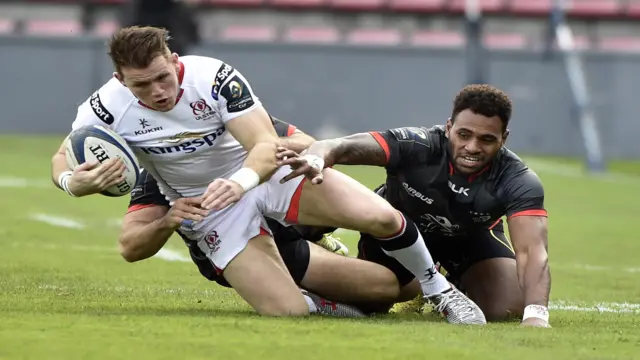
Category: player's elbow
<point>129,252</point>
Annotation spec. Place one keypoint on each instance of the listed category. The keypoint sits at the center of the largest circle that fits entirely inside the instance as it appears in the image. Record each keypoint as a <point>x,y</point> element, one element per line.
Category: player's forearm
<point>534,275</point>
<point>357,149</point>
<point>298,142</point>
<point>142,240</point>
<point>262,160</point>
<point>58,166</point>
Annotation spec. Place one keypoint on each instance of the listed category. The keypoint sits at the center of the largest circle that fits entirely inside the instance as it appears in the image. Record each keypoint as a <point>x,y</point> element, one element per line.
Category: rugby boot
<point>457,308</point>
<point>333,244</point>
<point>333,308</point>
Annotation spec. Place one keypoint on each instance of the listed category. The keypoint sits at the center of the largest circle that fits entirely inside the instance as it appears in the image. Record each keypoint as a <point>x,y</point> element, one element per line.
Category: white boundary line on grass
<point>604,307</point>
<point>19,182</point>
<point>58,221</point>
<point>571,170</point>
<point>171,255</point>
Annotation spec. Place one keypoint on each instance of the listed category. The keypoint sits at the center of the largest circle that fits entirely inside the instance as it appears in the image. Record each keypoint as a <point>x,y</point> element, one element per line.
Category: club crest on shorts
<point>213,241</point>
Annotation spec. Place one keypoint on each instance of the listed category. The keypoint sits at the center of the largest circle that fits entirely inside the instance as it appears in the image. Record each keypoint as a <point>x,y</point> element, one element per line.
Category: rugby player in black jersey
<point>456,182</point>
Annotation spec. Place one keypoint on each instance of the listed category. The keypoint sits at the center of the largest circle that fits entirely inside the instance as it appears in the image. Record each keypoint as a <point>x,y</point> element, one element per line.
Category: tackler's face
<point>474,140</point>
<point>157,85</point>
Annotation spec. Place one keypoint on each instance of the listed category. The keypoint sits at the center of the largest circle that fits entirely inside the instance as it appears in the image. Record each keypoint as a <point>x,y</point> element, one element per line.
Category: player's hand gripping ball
<point>102,162</point>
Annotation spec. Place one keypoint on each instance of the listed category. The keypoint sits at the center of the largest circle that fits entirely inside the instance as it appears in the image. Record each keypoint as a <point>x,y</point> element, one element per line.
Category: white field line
<point>557,305</point>
<point>587,267</point>
<point>171,255</point>
<point>604,307</point>
<point>19,182</point>
<point>58,221</point>
<point>570,170</point>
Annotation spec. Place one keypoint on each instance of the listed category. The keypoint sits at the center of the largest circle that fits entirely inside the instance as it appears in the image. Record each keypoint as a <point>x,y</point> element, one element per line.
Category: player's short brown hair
<point>137,46</point>
<point>485,100</point>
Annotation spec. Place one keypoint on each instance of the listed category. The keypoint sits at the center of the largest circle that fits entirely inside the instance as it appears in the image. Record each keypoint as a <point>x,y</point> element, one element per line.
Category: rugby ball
<point>96,142</point>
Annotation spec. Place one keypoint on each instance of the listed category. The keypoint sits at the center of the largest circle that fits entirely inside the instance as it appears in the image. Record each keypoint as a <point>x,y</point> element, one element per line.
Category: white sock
<point>312,306</point>
<point>417,259</point>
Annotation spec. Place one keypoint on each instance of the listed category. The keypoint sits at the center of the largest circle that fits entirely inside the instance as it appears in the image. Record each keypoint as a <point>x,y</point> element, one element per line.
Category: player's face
<point>157,84</point>
<point>474,139</point>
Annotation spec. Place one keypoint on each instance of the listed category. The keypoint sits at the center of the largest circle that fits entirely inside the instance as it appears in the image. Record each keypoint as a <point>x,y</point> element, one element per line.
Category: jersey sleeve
<point>93,112</point>
<point>233,93</point>
<point>283,129</point>
<point>146,194</point>
<point>524,195</point>
<point>404,146</point>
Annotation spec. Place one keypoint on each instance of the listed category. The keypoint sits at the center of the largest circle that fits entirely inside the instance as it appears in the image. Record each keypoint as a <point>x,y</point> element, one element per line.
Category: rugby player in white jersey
<point>198,128</point>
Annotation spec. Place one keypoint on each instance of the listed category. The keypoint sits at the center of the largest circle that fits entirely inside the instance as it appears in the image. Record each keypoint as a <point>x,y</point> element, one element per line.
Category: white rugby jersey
<point>188,147</point>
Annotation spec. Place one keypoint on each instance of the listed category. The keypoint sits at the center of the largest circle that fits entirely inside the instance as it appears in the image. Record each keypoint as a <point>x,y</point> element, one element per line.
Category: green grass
<point>67,294</point>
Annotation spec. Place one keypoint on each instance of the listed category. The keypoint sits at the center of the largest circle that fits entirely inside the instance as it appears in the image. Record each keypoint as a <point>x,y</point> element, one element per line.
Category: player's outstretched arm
<point>298,141</point>
<point>529,239</point>
<point>357,149</point>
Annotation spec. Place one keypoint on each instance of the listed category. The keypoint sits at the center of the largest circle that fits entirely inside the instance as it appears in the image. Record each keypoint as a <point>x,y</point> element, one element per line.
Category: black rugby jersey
<point>421,182</point>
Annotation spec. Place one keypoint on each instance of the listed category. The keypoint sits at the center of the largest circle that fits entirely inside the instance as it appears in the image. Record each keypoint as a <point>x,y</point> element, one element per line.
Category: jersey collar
<point>180,91</point>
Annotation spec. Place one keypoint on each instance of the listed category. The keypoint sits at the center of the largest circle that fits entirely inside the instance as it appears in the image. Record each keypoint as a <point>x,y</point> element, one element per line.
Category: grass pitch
<point>65,293</point>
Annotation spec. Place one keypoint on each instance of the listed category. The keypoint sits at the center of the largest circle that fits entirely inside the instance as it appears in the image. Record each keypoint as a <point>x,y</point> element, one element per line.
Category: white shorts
<point>224,234</point>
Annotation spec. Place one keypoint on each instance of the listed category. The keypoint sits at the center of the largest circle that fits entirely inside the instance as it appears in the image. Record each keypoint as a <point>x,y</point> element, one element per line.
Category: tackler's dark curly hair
<point>484,100</point>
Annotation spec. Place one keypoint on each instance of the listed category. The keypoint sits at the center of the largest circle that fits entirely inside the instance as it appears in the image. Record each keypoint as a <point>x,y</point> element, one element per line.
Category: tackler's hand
<point>308,165</point>
<point>185,211</point>
<point>221,193</point>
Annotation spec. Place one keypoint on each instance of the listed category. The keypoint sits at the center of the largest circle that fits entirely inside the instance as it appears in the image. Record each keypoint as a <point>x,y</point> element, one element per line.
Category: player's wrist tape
<point>247,178</point>
<point>536,311</point>
<point>314,161</point>
<point>63,181</point>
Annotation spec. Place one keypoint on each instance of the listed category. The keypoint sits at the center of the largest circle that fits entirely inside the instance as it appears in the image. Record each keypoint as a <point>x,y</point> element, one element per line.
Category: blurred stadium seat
<point>530,7</point>
<point>433,23</point>
<point>620,44</point>
<point>42,27</point>
<point>632,9</point>
<point>487,6</point>
<point>249,33</point>
<point>594,8</point>
<point>7,26</point>
<point>295,4</point>
<point>315,35</point>
<point>105,28</point>
<point>510,41</point>
<point>417,6</point>
<point>357,5</point>
<point>444,39</point>
<point>374,37</point>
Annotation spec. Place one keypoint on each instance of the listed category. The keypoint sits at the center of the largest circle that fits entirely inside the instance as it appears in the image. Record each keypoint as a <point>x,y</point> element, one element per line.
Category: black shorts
<point>455,254</point>
<point>293,249</point>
